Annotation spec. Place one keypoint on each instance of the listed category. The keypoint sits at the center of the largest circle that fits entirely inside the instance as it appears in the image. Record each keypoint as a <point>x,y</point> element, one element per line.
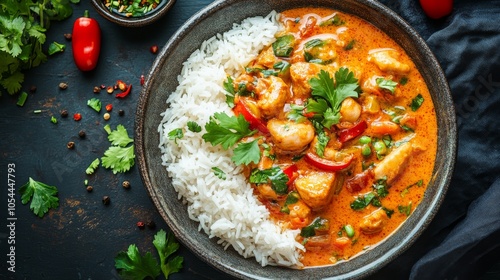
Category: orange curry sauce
<point>403,167</point>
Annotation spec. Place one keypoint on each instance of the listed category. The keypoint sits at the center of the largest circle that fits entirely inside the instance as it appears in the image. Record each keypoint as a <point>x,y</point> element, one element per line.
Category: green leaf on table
<point>42,196</point>
<point>132,265</point>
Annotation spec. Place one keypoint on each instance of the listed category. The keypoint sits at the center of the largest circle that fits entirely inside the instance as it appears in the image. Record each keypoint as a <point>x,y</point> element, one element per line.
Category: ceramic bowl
<point>162,80</point>
<point>121,19</point>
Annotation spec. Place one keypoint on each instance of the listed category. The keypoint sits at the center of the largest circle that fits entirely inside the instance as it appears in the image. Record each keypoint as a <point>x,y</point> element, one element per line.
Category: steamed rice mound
<point>225,209</point>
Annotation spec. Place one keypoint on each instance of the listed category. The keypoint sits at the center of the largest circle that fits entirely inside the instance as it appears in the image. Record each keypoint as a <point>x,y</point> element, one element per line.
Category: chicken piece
<point>266,58</point>
<point>386,60</point>
<point>374,222</point>
<point>272,94</point>
<point>289,136</point>
<point>266,191</point>
<point>395,162</point>
<point>301,73</point>
<point>316,188</point>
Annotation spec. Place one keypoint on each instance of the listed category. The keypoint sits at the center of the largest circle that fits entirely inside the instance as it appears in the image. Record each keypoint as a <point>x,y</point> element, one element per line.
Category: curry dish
<point>346,129</point>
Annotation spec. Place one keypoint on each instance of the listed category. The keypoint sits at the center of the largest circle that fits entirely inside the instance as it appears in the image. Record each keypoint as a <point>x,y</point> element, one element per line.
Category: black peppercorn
<point>121,112</point>
<point>64,113</point>
<point>106,200</point>
<point>126,184</point>
<point>90,188</point>
<point>82,134</point>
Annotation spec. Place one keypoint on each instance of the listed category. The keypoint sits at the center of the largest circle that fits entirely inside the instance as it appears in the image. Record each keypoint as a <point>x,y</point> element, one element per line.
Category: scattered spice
<point>22,99</point>
<point>63,85</point>
<point>64,113</point>
<point>124,93</point>
<point>106,200</point>
<point>103,86</point>
<point>121,85</point>
<point>77,116</point>
<point>97,89</point>
<point>142,80</point>
<point>68,36</point>
<point>106,116</point>
<point>53,120</point>
<point>141,225</point>
<point>110,89</point>
<point>126,184</point>
<point>153,49</point>
<point>90,188</point>
<point>121,112</point>
<point>109,107</point>
<point>70,145</point>
<point>82,134</point>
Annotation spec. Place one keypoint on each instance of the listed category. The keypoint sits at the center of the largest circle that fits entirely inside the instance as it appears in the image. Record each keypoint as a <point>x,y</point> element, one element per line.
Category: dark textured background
<point>80,239</point>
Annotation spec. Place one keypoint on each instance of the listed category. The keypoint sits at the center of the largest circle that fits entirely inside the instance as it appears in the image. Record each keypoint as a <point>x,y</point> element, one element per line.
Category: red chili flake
<point>121,85</point>
<point>103,86</point>
<point>154,49</point>
<point>124,93</point>
<point>140,225</point>
<point>142,80</point>
<point>77,116</point>
<point>109,107</point>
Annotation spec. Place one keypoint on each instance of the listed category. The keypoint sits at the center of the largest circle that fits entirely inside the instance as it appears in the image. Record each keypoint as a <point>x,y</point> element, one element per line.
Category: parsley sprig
<point>120,156</point>
<point>328,94</point>
<point>42,196</point>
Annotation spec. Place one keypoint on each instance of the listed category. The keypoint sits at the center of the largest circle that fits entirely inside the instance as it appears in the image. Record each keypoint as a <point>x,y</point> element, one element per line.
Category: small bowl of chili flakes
<point>132,13</point>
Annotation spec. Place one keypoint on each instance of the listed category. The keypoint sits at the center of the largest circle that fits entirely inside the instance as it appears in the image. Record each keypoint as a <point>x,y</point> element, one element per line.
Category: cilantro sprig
<point>42,196</point>
<point>120,156</point>
<point>132,265</point>
<point>226,131</point>
<point>328,94</point>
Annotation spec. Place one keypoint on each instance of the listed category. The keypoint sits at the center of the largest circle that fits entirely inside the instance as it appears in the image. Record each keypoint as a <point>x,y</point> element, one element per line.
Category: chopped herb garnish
<point>55,47</point>
<point>95,104</point>
<point>387,84</point>
<point>93,166</point>
<point>22,98</point>
<point>335,20</point>
<point>219,173</point>
<point>416,102</point>
<point>403,81</point>
<point>350,45</point>
<point>405,209</point>
<point>245,153</point>
<point>291,198</point>
<point>175,134</point>
<point>274,175</point>
<point>316,224</point>
<point>193,126</point>
<point>283,46</point>
<point>229,87</point>
<point>226,130</point>
<point>53,120</point>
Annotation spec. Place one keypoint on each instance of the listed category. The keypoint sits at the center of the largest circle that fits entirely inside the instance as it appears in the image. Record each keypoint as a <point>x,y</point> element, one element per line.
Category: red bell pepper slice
<point>291,172</point>
<point>328,165</point>
<point>243,108</point>
<point>352,132</point>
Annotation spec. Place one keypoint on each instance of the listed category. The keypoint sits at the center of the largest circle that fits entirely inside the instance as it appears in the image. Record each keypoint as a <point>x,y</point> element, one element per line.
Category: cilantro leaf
<point>95,104</point>
<point>193,126</point>
<point>42,196</point>
<point>328,94</point>
<point>166,246</point>
<point>274,175</point>
<point>245,153</point>
<point>387,84</point>
<point>118,157</point>
<point>228,86</point>
<point>416,102</point>
<point>219,173</point>
<point>93,166</point>
<point>225,130</point>
<point>56,47</point>
<point>175,134</point>
<point>132,265</point>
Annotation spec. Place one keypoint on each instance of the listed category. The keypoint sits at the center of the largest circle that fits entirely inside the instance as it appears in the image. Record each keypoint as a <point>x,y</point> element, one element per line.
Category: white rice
<point>225,209</point>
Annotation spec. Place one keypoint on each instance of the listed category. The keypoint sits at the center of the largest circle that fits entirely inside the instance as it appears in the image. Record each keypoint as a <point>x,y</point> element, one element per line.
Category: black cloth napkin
<point>463,240</point>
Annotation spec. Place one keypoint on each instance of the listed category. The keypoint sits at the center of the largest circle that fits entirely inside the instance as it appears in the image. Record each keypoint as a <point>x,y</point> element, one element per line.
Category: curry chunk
<point>301,73</point>
<point>289,136</point>
<point>395,162</point>
<point>266,58</point>
<point>316,188</point>
<point>386,60</point>
<point>374,222</point>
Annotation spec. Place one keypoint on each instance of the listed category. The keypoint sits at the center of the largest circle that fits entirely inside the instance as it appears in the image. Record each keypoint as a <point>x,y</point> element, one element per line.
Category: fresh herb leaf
<point>53,120</point>
<point>350,45</point>
<point>381,187</point>
<point>296,113</point>
<point>362,201</point>
<point>322,139</point>
<point>219,173</point>
<point>245,153</point>
<point>95,104</point>
<point>56,47</point>
<point>42,196</point>
<point>229,87</point>
<point>316,224</point>
<point>282,66</point>
<point>166,246</point>
<point>416,102</point>
<point>193,126</point>
<point>291,198</point>
<point>403,81</point>
<point>335,20</point>
<point>226,130</point>
<point>387,84</point>
<point>405,209</point>
<point>283,46</point>
<point>175,134</point>
<point>274,175</point>
<point>132,265</point>
<point>327,94</point>
<point>93,166</point>
<point>118,157</point>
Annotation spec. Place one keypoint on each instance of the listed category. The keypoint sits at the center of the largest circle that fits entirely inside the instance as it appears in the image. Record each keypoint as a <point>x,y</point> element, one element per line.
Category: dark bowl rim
<point>425,215</point>
<point>147,19</point>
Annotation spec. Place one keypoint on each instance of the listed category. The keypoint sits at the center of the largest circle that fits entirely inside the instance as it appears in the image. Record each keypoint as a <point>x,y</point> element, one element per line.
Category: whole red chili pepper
<point>86,42</point>
<point>436,9</point>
